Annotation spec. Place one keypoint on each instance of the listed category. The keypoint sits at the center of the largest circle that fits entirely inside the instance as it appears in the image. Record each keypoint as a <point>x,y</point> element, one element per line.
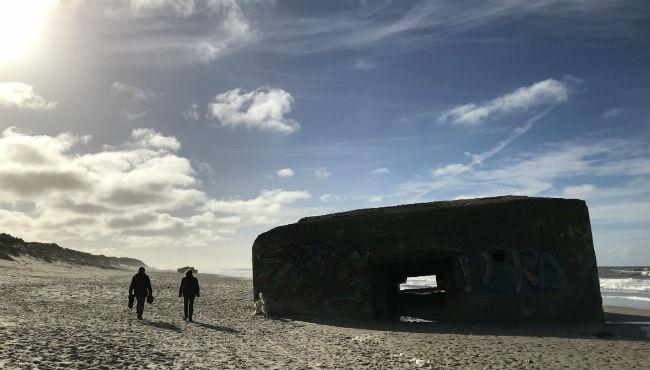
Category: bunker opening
<point>421,289</point>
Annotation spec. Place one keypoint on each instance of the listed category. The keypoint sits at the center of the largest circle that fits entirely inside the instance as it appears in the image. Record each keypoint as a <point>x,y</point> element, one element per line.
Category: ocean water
<point>625,286</point>
<point>621,286</point>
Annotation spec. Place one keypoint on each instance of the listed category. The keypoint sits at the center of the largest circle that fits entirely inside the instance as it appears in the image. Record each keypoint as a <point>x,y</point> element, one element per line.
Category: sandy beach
<point>60,316</point>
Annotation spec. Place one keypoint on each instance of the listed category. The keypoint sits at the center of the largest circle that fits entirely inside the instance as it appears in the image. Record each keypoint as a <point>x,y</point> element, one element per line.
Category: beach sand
<point>57,316</point>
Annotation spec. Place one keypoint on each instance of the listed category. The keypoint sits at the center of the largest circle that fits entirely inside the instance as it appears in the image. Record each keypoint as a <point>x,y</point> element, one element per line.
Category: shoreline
<point>627,311</point>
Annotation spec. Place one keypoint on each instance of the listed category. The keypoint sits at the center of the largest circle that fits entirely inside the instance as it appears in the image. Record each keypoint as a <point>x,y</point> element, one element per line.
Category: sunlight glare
<point>21,22</point>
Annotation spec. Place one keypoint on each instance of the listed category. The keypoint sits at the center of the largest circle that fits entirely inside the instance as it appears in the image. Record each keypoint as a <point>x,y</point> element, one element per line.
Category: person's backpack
<point>150,299</point>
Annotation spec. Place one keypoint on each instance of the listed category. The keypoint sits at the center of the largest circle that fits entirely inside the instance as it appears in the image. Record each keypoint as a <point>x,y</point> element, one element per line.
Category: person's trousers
<point>140,300</point>
<point>188,307</point>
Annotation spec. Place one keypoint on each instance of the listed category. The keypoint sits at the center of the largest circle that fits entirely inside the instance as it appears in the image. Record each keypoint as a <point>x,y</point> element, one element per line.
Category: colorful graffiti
<point>510,270</point>
<point>314,271</point>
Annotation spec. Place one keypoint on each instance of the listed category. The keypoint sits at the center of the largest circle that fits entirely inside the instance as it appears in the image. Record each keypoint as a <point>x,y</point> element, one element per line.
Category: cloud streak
<point>395,27</point>
<point>133,93</point>
<point>478,159</point>
<point>523,99</point>
<point>536,172</point>
<point>380,171</point>
<point>175,32</point>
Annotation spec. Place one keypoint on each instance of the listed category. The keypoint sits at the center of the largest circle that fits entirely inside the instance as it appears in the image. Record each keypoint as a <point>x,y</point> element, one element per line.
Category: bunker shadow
<point>615,327</point>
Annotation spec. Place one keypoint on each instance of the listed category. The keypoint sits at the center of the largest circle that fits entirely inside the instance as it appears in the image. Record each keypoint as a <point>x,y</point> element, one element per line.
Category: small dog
<point>261,307</point>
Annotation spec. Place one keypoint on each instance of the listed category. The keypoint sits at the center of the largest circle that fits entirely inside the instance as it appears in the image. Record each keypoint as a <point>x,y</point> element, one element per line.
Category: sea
<point>627,286</point>
<point>620,286</point>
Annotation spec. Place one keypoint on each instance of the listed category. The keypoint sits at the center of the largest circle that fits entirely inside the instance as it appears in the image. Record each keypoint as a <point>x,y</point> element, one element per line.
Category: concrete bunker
<point>492,258</point>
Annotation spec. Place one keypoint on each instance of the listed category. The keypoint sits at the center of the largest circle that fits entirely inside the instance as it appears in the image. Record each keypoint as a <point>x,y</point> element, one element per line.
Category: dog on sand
<point>261,307</point>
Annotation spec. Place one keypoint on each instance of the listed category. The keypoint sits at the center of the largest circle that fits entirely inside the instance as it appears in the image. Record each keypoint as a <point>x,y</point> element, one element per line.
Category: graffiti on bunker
<point>315,271</point>
<point>510,270</point>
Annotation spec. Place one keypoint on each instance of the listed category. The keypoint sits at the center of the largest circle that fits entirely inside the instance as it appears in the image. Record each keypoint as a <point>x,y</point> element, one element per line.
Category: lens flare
<point>21,23</point>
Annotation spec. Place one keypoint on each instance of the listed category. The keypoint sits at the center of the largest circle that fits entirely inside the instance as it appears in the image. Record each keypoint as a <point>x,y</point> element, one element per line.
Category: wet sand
<point>56,316</point>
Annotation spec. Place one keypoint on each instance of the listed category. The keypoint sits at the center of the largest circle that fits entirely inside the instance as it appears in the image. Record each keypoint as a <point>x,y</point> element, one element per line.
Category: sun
<point>21,22</point>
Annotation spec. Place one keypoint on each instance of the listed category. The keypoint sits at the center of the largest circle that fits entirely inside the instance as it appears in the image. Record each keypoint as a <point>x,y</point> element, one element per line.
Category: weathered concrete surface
<point>495,258</point>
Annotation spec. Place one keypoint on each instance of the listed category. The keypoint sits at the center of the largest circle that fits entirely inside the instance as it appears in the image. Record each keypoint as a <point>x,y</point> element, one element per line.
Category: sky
<point>176,131</point>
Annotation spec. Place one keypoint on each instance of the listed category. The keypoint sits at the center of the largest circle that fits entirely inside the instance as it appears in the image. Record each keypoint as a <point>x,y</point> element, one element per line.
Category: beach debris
<point>365,338</point>
<point>420,362</point>
<point>413,319</point>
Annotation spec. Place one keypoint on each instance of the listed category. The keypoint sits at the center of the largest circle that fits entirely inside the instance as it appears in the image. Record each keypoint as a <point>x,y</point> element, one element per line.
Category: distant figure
<point>189,290</point>
<point>260,307</point>
<point>141,288</point>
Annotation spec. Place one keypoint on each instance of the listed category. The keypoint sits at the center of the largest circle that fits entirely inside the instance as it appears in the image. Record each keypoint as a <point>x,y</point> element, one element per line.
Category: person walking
<point>141,289</point>
<point>189,290</point>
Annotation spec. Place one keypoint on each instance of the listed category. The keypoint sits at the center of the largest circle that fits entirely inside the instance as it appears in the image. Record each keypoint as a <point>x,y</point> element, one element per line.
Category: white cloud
<point>543,93</point>
<point>118,195</point>
<point>130,117</point>
<point>22,96</point>
<point>613,112</point>
<point>205,168</point>
<point>380,171</point>
<point>269,202</point>
<point>140,195</point>
<point>364,65</point>
<point>133,93</point>
<point>285,172</point>
<point>451,169</point>
<point>343,202</point>
<point>579,191</point>
<point>192,112</point>
<point>149,138</point>
<point>376,199</point>
<point>264,109</point>
<point>232,220</point>
<point>322,173</point>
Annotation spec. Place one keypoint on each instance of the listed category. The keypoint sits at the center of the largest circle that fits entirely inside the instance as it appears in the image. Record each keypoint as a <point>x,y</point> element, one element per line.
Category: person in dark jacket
<point>189,290</point>
<point>141,288</point>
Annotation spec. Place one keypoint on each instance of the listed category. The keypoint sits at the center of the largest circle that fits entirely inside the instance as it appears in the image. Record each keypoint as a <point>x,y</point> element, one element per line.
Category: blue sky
<point>177,130</point>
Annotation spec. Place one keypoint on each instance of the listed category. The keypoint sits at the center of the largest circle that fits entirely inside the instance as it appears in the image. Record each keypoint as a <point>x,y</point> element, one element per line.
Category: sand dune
<point>58,316</point>
<point>12,248</point>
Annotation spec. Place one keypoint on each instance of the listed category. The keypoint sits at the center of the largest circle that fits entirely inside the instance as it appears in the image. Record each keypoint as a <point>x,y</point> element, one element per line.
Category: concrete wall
<point>511,257</point>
